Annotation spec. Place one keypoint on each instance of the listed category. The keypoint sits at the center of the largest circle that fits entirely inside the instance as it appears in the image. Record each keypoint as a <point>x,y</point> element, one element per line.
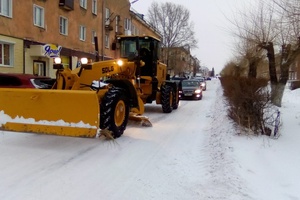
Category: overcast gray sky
<point>210,25</point>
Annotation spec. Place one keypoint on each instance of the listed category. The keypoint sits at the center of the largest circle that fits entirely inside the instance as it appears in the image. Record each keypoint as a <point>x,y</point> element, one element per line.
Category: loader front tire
<point>175,98</point>
<point>167,98</point>
<point>114,111</point>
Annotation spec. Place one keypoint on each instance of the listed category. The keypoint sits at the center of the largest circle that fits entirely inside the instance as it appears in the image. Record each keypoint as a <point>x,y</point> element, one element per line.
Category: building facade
<point>294,71</point>
<point>294,74</point>
<point>179,61</point>
<point>33,32</point>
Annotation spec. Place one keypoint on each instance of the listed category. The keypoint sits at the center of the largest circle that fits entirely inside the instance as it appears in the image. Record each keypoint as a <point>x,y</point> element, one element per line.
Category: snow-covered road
<point>178,158</point>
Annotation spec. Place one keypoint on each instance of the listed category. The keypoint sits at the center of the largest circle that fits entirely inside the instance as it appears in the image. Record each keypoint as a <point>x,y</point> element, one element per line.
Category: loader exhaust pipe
<point>138,62</point>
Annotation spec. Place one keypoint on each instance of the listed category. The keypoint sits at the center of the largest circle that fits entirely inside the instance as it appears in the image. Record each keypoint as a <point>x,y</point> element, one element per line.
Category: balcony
<point>128,32</point>
<point>66,4</point>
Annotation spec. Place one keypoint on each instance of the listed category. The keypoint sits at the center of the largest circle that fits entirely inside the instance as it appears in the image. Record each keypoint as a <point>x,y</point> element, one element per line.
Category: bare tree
<point>250,56</point>
<point>173,22</point>
<point>290,7</point>
<point>289,40</point>
<point>271,31</point>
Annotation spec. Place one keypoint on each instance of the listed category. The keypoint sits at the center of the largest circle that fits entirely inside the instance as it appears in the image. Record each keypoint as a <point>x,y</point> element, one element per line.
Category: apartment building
<point>294,74</point>
<point>179,61</point>
<point>33,32</point>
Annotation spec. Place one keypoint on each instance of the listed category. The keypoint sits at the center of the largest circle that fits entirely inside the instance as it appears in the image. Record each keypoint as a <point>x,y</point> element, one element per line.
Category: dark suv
<point>17,80</point>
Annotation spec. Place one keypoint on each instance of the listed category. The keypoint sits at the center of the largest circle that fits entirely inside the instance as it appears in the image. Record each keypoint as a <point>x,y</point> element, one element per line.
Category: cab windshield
<point>128,46</point>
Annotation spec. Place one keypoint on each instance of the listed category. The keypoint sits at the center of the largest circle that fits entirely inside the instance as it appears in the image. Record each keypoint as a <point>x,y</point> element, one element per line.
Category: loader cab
<point>145,48</point>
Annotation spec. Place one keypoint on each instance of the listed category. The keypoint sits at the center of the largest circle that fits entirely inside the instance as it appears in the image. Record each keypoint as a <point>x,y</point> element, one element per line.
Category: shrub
<point>247,100</point>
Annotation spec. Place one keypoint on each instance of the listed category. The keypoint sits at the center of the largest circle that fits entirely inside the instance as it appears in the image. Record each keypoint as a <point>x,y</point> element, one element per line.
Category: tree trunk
<point>253,62</point>
<point>272,66</point>
<point>277,90</point>
<point>287,58</point>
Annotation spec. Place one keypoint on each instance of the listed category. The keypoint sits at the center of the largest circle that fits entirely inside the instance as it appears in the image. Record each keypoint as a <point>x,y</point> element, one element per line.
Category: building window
<point>107,15</point>
<point>133,30</point>
<point>6,54</point>
<point>93,36</point>
<point>82,33</point>
<point>83,4</point>
<point>38,16</point>
<point>106,41</point>
<point>6,8</point>
<point>127,24</point>
<point>63,25</point>
<point>94,7</point>
<point>137,31</point>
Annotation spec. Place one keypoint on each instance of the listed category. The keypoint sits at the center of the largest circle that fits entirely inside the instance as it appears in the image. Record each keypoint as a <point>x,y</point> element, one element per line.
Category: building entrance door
<point>39,68</point>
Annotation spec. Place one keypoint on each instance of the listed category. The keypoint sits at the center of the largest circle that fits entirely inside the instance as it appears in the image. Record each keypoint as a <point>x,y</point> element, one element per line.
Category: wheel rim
<point>120,113</point>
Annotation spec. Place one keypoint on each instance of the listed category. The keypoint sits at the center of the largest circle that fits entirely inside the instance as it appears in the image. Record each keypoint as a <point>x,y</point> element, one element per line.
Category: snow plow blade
<point>56,112</point>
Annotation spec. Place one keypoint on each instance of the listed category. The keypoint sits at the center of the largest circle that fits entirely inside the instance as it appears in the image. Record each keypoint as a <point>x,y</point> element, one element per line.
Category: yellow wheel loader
<point>100,95</point>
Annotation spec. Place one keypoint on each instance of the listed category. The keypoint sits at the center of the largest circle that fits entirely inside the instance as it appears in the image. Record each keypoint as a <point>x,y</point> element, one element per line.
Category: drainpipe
<point>103,27</point>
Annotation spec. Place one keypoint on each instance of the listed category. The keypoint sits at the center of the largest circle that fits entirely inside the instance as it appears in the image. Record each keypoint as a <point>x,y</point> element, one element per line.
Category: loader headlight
<point>84,61</point>
<point>57,64</point>
<point>120,63</point>
<point>57,60</point>
<point>85,64</point>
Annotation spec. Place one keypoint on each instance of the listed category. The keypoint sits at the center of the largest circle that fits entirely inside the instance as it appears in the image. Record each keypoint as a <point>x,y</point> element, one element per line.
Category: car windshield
<point>190,83</point>
<point>43,83</point>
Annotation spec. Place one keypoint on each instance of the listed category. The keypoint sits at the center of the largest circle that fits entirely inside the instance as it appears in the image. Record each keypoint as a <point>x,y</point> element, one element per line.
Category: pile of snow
<point>269,168</point>
<point>4,118</point>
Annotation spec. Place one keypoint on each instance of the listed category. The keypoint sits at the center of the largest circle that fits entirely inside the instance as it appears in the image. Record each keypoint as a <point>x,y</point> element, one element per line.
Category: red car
<point>15,80</point>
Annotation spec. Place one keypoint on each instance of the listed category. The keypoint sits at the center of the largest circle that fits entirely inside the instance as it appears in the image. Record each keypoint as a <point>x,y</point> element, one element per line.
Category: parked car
<point>17,80</point>
<point>178,79</point>
<point>191,89</point>
<point>203,82</point>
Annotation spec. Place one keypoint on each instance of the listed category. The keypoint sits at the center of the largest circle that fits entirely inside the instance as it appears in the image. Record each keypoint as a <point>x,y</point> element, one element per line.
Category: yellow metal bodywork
<point>161,73</point>
<point>72,106</point>
<point>120,113</point>
<point>141,108</point>
<point>58,112</point>
<point>101,71</point>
